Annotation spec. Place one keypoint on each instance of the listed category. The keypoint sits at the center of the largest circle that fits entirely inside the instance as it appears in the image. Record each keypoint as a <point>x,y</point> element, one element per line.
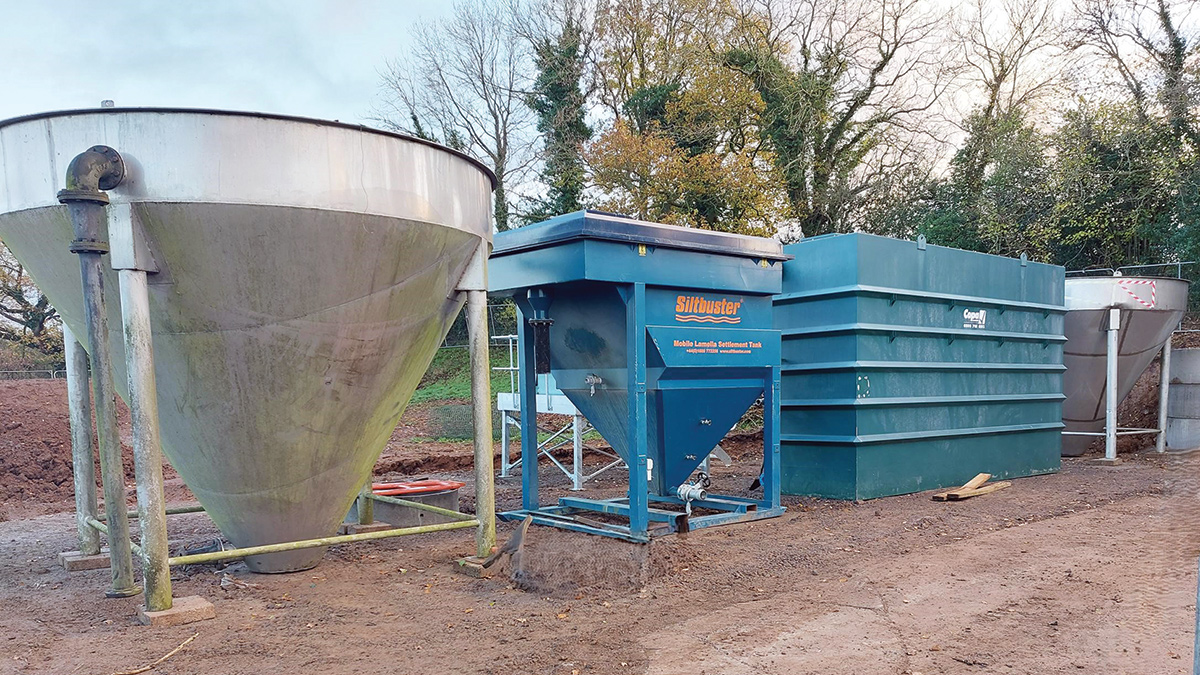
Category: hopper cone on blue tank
<point>308,273</point>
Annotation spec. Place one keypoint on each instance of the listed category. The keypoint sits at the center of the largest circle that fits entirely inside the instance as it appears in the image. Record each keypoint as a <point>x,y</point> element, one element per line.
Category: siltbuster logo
<point>975,318</point>
<point>698,309</point>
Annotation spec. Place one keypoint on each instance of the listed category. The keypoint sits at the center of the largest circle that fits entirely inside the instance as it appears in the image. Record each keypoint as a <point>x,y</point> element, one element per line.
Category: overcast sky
<point>316,58</point>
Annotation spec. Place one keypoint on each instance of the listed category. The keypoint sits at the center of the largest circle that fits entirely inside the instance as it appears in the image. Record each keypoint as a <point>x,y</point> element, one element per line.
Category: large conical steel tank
<point>1150,309</point>
<point>307,276</point>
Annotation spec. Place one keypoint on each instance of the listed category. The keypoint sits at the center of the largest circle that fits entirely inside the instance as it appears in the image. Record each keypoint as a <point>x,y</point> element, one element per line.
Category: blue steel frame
<point>570,512</point>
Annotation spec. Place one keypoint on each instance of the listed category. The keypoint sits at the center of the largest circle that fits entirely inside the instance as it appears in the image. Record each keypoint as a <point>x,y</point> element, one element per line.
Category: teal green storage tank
<point>909,367</point>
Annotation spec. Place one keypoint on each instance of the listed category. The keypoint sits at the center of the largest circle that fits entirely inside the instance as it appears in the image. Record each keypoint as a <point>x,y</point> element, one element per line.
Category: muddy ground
<point>1091,570</point>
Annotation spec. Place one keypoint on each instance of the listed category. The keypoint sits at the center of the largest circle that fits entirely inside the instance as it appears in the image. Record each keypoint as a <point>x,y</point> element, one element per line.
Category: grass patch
<point>449,375</point>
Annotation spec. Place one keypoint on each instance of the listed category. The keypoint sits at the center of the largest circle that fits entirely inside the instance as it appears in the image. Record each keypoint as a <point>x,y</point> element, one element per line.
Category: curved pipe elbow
<point>91,172</point>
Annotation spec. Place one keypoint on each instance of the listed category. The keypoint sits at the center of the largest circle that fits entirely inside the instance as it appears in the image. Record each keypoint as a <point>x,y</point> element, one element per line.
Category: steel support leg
<point>577,455</point>
<point>529,441</point>
<point>364,505</point>
<point>1110,405</point>
<point>481,407</point>
<point>1164,390</point>
<point>79,403</point>
<point>771,465</point>
<point>639,480</point>
<point>147,442</point>
<point>88,220</point>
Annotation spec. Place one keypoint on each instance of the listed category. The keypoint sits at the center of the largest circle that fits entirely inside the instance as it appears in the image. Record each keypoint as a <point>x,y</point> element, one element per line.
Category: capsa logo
<point>698,309</point>
<point>974,318</point>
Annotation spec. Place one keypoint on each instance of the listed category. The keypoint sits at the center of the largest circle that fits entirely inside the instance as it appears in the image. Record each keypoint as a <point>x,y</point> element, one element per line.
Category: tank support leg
<point>481,402</point>
<point>639,469</point>
<point>1111,402</point>
<point>529,440</point>
<point>771,464</point>
<point>79,402</point>
<point>1164,390</point>
<point>147,444</point>
<point>577,455</point>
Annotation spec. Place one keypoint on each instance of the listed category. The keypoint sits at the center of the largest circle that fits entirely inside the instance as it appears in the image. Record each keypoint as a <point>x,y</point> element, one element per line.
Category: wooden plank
<point>975,482</point>
<point>972,484</point>
<point>959,495</point>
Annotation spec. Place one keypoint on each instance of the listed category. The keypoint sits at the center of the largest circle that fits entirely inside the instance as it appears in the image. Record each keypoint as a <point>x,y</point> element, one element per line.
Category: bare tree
<point>837,78</point>
<point>1007,56</point>
<point>463,84</point>
<point>1154,58</point>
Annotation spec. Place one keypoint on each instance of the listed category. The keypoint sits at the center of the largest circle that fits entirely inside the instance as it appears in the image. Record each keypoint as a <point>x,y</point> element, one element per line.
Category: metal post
<point>365,506</point>
<point>79,403</point>
<point>639,481</point>
<point>504,418</point>
<point>481,406</point>
<point>89,173</point>
<point>529,441</point>
<point>1110,405</point>
<point>147,444</point>
<point>1196,643</point>
<point>1164,389</point>
<point>771,464</point>
<point>577,439</point>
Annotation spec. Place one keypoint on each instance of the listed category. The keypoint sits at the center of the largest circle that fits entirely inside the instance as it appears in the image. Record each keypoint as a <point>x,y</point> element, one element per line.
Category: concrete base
<point>74,561</point>
<point>1183,451</point>
<point>355,528</point>
<point>473,567</point>
<point>1104,461</point>
<point>189,609</point>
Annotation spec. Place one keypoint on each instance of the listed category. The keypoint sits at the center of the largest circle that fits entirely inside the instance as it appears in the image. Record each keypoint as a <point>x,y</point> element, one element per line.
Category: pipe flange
<point>95,196</point>
<point>116,170</point>
<point>89,245</point>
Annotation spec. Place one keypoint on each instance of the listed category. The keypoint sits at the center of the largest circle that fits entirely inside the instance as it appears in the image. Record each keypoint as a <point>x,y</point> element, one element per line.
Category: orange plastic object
<point>417,487</point>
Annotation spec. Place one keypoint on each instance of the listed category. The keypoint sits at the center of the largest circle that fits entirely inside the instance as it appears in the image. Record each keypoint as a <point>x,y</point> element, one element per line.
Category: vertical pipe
<point>88,219</point>
<point>1110,405</point>
<point>364,505</point>
<point>639,482</point>
<point>771,465</point>
<point>1164,390</point>
<point>79,403</point>
<point>577,455</point>
<point>481,406</point>
<point>147,443</point>
<point>529,442</point>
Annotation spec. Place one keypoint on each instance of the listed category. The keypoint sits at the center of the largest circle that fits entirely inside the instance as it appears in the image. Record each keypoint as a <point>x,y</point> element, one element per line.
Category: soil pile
<point>35,442</point>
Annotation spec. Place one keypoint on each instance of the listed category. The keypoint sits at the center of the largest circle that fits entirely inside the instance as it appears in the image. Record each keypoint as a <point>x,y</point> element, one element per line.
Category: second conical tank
<point>1150,309</point>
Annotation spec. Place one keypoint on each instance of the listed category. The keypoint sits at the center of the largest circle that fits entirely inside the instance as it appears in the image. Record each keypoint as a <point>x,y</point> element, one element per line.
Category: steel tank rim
<point>1096,293</point>
<point>316,121</point>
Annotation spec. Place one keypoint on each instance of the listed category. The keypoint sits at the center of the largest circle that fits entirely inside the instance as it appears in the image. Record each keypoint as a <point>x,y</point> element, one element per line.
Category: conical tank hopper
<point>307,276</point>
<point>1151,308</point>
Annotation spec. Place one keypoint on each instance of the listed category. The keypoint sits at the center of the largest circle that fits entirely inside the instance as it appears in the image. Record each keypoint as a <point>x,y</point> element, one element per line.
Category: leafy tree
<point>559,101</point>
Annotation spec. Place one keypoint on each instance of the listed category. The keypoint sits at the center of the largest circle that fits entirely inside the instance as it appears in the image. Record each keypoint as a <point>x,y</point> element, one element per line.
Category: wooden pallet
<point>972,488</point>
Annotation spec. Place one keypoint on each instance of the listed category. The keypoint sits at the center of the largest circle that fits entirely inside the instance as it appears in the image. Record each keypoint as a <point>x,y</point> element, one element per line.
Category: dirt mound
<point>564,564</point>
<point>35,442</point>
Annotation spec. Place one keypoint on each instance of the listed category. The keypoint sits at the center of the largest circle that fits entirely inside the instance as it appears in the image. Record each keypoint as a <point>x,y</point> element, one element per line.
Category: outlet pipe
<point>89,174</point>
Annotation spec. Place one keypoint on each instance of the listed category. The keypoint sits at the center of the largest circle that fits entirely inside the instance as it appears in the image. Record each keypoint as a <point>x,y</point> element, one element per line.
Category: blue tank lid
<point>611,227</point>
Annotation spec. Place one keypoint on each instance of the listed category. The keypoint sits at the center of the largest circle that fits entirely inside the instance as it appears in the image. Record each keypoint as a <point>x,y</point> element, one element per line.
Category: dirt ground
<point>1092,570</point>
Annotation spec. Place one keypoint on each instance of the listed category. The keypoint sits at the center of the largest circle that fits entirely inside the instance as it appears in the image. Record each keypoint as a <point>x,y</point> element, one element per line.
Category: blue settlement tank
<point>662,337</point>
